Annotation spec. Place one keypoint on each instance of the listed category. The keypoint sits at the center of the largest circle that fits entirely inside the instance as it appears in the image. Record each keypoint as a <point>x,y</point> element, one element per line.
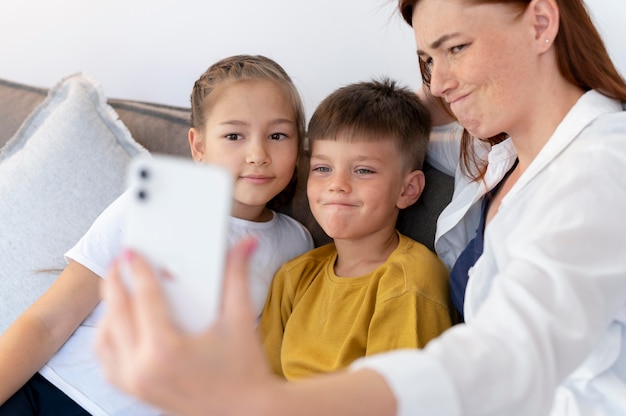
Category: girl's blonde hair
<point>239,68</point>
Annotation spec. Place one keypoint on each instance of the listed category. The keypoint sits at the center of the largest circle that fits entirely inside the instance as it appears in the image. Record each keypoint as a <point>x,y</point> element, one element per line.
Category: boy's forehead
<point>329,146</point>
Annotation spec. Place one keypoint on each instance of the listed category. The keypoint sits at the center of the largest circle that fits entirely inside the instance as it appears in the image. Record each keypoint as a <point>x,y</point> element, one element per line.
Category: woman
<point>546,301</point>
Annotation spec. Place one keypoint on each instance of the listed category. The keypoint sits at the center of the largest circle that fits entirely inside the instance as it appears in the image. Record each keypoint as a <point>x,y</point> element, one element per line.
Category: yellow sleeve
<point>411,317</point>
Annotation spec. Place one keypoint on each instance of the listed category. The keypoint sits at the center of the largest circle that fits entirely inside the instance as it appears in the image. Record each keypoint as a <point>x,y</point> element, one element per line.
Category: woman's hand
<point>144,353</point>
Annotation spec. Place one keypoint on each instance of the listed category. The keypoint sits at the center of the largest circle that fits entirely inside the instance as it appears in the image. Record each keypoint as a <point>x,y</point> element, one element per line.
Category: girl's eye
<point>321,169</point>
<point>277,136</point>
<point>233,136</point>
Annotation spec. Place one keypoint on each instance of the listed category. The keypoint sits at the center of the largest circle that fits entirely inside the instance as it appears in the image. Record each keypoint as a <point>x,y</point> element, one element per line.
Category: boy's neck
<point>360,257</point>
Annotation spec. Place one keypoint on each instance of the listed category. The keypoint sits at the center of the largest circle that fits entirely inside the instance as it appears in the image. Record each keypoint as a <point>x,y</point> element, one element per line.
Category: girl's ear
<point>196,144</point>
<point>412,189</point>
<point>544,17</point>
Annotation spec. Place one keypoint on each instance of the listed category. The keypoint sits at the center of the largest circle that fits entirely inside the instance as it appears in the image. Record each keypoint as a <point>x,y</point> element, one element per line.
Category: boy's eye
<point>364,171</point>
<point>277,136</point>
<point>322,169</point>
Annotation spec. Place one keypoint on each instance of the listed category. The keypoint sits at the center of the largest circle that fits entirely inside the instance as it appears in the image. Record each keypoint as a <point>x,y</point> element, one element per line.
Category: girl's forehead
<point>246,93</point>
<point>246,86</point>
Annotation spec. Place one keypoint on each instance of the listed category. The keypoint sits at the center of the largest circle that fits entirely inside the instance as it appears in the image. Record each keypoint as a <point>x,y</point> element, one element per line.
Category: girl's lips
<point>257,179</point>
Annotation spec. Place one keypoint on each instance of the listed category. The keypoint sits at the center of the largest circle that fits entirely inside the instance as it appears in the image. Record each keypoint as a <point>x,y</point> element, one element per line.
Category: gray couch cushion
<point>158,128</point>
<point>62,167</point>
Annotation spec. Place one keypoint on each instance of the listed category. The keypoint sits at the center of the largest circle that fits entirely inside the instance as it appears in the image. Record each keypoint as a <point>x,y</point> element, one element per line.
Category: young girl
<point>246,115</point>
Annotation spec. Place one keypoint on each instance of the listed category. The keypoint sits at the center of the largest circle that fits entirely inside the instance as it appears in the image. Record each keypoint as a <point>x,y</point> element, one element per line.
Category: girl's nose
<point>257,153</point>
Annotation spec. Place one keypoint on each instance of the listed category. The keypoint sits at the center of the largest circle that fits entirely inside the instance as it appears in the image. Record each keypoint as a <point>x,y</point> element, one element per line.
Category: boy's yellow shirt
<point>316,322</point>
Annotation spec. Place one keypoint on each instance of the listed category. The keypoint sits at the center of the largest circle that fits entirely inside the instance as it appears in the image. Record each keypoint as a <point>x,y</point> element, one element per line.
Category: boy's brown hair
<point>372,111</point>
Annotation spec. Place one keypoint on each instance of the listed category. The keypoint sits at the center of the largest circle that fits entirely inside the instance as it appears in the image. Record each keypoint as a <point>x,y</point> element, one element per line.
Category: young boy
<point>372,289</point>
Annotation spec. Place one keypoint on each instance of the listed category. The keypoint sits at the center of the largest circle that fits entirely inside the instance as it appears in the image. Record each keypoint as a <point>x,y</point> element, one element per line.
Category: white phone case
<point>178,220</point>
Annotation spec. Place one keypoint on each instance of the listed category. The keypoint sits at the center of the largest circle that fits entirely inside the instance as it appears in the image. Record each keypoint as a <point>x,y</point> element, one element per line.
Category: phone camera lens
<point>144,174</point>
<point>142,195</point>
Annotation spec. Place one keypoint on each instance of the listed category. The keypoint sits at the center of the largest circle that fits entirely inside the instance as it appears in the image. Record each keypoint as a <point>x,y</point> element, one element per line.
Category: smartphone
<point>178,219</point>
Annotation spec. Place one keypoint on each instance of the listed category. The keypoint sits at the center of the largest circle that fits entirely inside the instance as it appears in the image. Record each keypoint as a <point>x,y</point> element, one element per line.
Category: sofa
<point>63,153</point>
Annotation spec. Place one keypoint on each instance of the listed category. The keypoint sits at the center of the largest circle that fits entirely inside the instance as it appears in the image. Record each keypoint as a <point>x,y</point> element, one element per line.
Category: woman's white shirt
<point>546,302</point>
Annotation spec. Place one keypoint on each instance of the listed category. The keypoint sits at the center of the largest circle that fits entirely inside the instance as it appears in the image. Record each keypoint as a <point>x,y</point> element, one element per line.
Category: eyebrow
<point>436,44</point>
<point>357,159</point>
<point>275,122</point>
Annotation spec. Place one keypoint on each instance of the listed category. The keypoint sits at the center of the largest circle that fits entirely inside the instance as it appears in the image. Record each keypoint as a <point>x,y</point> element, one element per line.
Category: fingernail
<point>251,246</point>
<point>127,254</point>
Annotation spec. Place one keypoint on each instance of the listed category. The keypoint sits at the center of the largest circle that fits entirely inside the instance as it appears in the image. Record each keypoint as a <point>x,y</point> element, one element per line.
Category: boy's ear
<point>196,144</point>
<point>412,189</point>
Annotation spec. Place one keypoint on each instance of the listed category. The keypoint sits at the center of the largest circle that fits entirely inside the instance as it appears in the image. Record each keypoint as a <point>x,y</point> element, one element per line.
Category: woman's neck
<point>539,125</point>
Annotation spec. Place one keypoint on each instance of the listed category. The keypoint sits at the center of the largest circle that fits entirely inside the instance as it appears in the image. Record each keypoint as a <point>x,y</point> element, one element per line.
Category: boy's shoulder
<point>407,246</point>
<point>414,268</point>
<point>416,261</point>
<point>303,269</point>
<point>316,255</point>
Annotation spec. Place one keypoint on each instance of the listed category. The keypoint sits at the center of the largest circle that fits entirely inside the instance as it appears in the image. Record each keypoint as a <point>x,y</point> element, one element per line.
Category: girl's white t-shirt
<point>75,370</point>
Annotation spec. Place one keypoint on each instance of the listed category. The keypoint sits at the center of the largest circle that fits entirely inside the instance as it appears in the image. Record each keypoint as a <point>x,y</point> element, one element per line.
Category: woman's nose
<point>442,80</point>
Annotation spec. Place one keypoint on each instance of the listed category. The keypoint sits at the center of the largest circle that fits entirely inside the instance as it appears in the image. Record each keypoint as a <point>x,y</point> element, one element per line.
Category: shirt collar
<point>590,106</point>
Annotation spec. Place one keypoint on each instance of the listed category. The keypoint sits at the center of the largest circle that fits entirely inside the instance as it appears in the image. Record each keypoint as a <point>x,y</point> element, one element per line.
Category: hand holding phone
<point>178,219</point>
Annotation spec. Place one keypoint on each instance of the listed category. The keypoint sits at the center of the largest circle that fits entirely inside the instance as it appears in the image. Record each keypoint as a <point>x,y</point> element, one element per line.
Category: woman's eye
<point>427,63</point>
<point>277,136</point>
<point>458,48</point>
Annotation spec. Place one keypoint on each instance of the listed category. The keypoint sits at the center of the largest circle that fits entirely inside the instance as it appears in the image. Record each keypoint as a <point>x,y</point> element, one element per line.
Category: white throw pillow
<point>64,165</point>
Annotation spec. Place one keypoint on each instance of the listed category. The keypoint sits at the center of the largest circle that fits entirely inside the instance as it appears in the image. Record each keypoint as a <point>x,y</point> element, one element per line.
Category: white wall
<point>153,50</point>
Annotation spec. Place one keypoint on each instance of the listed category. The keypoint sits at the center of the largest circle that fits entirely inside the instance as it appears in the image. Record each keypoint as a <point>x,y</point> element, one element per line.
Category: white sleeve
<point>102,243</point>
<point>444,148</point>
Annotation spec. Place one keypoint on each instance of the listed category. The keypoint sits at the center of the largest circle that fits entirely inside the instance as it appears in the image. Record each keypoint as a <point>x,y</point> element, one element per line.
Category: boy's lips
<point>338,204</point>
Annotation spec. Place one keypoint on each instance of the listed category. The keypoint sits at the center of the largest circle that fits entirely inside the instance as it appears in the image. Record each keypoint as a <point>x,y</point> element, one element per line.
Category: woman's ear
<point>412,189</point>
<point>196,144</point>
<point>544,17</point>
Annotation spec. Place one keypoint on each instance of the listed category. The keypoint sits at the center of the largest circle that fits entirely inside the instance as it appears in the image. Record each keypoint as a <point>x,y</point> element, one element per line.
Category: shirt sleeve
<point>407,321</point>
<point>102,243</point>
<point>444,148</point>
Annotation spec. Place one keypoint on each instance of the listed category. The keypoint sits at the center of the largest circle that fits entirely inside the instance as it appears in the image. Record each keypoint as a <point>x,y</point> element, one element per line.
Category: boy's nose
<point>339,182</point>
